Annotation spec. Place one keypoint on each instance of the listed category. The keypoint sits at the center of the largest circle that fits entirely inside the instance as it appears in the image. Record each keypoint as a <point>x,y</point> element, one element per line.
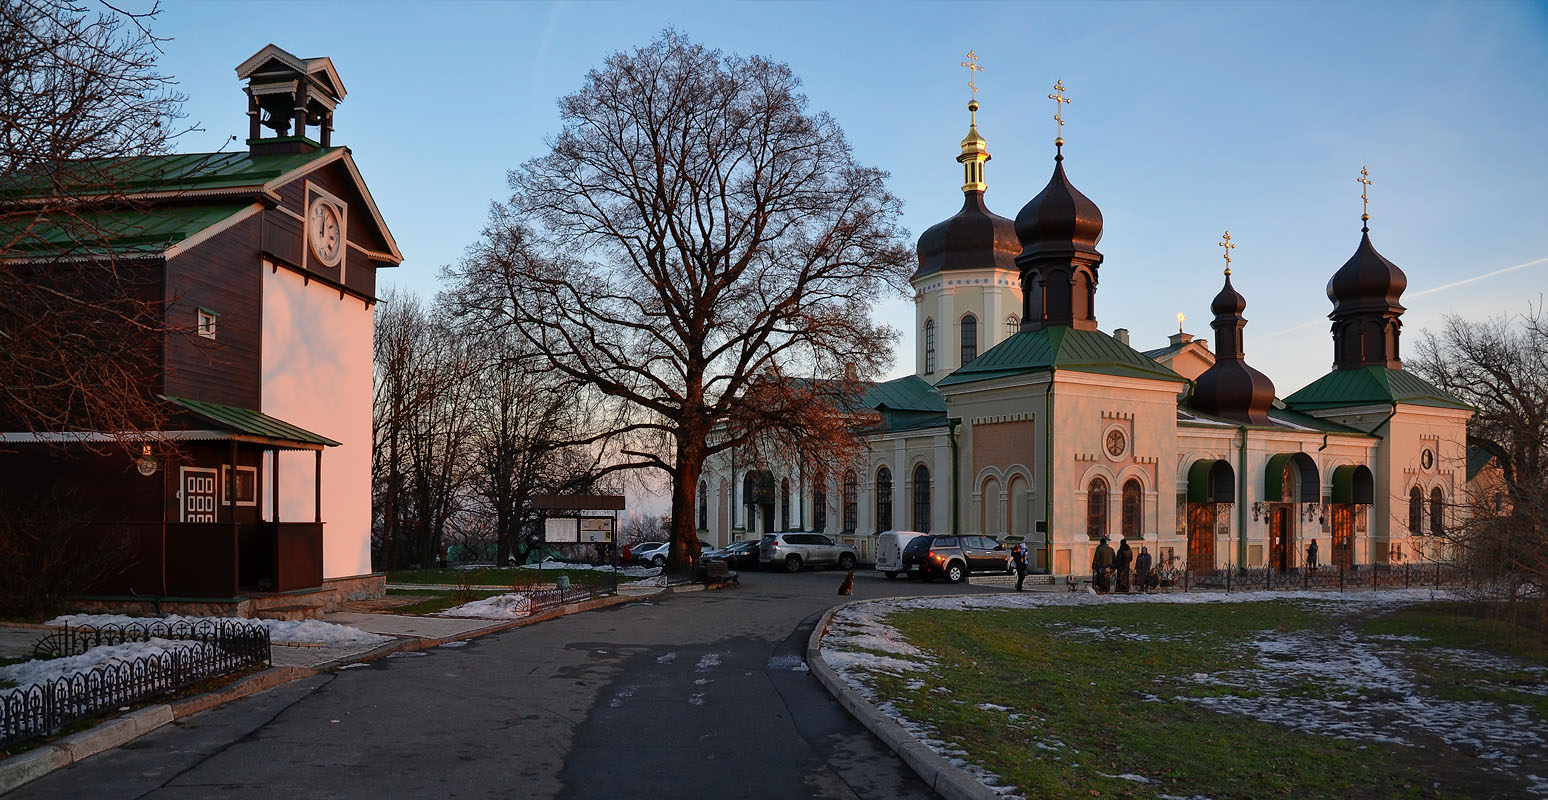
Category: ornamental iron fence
<point>196,651</point>
<point>1329,578</point>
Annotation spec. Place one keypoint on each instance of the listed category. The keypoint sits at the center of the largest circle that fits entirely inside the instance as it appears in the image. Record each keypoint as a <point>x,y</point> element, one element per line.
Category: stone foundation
<point>302,604</point>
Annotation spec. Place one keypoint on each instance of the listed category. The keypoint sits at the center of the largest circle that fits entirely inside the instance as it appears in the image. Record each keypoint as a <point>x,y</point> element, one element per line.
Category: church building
<point>1025,420</point>
<point>264,262</point>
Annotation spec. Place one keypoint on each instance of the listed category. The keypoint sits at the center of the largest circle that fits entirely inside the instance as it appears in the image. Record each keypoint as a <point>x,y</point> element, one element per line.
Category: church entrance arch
<point>1211,486</point>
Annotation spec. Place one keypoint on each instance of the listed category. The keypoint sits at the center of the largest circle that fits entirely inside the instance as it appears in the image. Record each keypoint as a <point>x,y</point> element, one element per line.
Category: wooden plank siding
<point>284,237</point>
<point>222,275</point>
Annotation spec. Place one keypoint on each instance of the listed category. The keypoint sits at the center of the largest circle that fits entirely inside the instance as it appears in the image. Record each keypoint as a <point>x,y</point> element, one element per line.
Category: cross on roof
<point>972,67</point>
<point>1365,200</point>
<point>1059,99</point>
<point>1228,248</point>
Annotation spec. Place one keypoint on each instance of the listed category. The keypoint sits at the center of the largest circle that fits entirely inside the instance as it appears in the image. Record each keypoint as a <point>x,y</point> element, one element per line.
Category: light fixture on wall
<point>1258,511</point>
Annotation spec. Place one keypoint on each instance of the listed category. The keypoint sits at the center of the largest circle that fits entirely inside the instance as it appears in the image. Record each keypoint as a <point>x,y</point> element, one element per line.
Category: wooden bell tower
<point>286,97</point>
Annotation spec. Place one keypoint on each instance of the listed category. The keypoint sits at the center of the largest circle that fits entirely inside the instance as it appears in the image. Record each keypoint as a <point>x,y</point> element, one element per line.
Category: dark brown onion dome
<point>1059,219</point>
<point>1367,281</point>
<point>975,238</point>
<point>1231,388</point>
<point>1367,312</point>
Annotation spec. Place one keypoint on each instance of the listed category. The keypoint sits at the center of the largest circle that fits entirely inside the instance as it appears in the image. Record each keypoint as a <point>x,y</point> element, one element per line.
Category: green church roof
<point>253,424</point>
<point>1368,386</point>
<point>179,172</point>
<point>122,232</point>
<point>1061,347</point>
<point>907,403</point>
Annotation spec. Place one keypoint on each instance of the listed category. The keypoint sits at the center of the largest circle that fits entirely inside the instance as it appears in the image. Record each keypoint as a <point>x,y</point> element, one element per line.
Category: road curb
<point>29,766</point>
<point>942,776</point>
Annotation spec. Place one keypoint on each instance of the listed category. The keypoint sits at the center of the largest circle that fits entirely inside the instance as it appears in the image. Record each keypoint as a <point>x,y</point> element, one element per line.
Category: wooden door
<point>1343,536</point>
<point>197,490</point>
<point>1280,544</point>
<point>1201,538</point>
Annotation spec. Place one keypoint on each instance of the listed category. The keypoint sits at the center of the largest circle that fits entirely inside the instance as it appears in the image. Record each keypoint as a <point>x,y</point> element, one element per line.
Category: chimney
<point>1122,335</point>
<point>1179,338</point>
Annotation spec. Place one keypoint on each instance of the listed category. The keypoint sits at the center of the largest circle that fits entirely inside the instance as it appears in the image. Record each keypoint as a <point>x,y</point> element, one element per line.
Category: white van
<point>889,551</point>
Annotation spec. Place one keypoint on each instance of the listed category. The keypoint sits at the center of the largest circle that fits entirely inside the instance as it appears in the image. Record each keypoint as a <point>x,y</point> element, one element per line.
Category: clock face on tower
<point>1115,443</point>
<point>326,232</point>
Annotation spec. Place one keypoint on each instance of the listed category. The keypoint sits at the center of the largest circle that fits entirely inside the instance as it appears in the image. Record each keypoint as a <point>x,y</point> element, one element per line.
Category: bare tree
<point>80,319</point>
<point>420,429</point>
<point>704,251</point>
<point>1500,367</point>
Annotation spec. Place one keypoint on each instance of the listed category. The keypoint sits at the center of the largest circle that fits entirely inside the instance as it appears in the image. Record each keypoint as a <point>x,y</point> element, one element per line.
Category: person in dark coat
<point>1142,569</point>
<point>1101,566</point>
<point>1124,560</point>
<point>1019,555</point>
<point>1311,555</point>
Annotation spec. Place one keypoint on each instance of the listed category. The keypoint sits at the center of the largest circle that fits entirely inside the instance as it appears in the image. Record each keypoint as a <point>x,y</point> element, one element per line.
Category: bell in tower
<point>287,97</point>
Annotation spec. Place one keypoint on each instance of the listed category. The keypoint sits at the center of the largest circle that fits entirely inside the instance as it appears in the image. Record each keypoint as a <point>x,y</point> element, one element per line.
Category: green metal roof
<point>178,172</point>
<point>1280,417</point>
<point>1061,347</point>
<point>120,232</point>
<point>1371,386</point>
<point>909,393</point>
<point>252,423</point>
<point>1477,459</point>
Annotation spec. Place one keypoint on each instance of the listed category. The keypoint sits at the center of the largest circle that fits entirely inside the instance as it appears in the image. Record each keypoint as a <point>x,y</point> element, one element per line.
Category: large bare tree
<point>704,250</point>
<point>80,323</point>
<point>1500,367</point>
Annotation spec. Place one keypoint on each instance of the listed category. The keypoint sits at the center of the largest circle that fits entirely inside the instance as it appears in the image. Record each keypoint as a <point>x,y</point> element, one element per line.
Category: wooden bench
<point>716,573</point>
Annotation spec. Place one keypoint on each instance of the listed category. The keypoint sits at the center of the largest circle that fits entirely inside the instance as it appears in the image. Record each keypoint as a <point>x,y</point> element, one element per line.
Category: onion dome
<point>1231,388</point>
<point>974,238</point>
<point>1367,280</point>
<point>1059,219</point>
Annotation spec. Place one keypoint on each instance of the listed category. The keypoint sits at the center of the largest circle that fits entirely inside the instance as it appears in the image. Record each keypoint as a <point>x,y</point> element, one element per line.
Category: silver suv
<point>795,550</point>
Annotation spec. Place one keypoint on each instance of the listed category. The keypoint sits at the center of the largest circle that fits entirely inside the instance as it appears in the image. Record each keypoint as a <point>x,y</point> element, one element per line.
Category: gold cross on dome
<point>1059,101</point>
<point>1365,186</point>
<point>1228,248</point>
<point>972,67</point>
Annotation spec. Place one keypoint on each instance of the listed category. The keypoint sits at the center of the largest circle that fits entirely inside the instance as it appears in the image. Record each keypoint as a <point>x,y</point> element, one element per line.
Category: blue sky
<point>1187,119</point>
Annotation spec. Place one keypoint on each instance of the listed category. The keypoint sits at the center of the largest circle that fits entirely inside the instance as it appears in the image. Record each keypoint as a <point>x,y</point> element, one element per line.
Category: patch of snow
<point>501,606</point>
<point>28,673</point>
<point>707,662</point>
<point>992,707</point>
<point>666,658</point>
<point>458,643</point>
<point>788,662</point>
<point>630,571</point>
<point>1127,776</point>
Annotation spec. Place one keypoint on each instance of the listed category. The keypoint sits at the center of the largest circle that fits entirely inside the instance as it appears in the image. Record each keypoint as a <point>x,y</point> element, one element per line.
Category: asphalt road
<point>683,696</point>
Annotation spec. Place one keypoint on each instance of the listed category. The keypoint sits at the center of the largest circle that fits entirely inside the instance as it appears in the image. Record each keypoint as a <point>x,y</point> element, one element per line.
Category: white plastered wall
<point>317,358</point>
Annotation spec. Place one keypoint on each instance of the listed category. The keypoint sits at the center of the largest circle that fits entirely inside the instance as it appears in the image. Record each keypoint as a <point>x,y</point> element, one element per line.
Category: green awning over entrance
<point>1353,484</point>
<point>1306,473</point>
<point>1211,481</point>
<point>253,426</point>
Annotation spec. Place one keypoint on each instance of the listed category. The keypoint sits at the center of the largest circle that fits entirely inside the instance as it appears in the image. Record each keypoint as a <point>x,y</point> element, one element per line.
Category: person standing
<point>1311,555</point>
<point>1101,565</point>
<point>1123,561</point>
<point>1019,555</point>
<point>1142,569</point>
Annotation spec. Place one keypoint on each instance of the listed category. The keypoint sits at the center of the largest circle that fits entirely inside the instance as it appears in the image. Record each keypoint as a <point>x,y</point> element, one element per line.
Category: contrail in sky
<point>1432,290</point>
<point>1476,278</point>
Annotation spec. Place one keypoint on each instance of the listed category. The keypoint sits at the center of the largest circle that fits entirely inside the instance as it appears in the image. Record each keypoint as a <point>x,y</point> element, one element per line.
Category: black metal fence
<point>545,599</point>
<point>1328,578</point>
<point>203,649</point>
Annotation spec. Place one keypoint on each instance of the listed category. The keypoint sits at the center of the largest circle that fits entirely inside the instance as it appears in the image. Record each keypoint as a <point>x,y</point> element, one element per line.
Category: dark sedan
<point>737,555</point>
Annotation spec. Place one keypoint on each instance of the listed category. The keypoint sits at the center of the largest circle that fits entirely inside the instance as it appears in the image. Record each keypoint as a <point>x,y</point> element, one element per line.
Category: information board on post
<point>561,530</point>
<point>596,529</point>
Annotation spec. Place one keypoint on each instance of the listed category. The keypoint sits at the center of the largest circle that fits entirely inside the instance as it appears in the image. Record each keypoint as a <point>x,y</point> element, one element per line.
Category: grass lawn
<point>1062,701</point>
<point>495,576</point>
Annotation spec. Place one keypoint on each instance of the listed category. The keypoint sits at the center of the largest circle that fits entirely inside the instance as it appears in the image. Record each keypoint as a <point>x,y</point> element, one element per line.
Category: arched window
<point>851,502</point>
<point>1133,506</point>
<point>1415,511</point>
<point>784,504</point>
<point>820,502</point>
<point>1096,508</point>
<point>1012,326</point>
<point>969,338</point>
<point>703,506</point>
<point>1437,511</point>
<point>883,499</point>
<point>921,490</point>
<point>929,346</point>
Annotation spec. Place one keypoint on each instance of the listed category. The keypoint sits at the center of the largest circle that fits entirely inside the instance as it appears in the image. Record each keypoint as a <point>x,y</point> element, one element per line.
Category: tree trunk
<point>684,552</point>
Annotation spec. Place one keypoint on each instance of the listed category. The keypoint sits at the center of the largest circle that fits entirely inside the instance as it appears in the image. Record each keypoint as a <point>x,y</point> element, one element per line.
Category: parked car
<point>889,551</point>
<point>654,554</point>
<point>737,555</point>
<point>631,552</point>
<point>795,550</point>
<point>953,557</point>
